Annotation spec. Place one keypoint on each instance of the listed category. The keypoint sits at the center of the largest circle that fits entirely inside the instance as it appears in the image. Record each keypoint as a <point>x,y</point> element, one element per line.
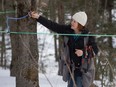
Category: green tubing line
<point>2,31</point>
<point>103,35</point>
<point>4,12</point>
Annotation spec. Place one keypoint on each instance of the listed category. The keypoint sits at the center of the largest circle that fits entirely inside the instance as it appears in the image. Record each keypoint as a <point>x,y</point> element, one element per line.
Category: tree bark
<point>61,20</point>
<point>24,64</point>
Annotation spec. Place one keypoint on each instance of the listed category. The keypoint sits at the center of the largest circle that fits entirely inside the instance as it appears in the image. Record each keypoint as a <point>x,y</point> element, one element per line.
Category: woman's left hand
<point>78,52</point>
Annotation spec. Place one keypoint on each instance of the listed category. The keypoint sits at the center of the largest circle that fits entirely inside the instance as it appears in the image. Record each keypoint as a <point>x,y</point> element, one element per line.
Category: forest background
<point>21,51</point>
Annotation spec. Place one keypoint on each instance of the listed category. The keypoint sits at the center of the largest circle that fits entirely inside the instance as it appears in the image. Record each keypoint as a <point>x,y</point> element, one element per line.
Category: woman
<point>75,43</point>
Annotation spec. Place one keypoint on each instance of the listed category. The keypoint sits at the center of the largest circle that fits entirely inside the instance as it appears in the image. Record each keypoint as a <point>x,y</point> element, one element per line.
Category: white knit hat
<point>80,17</point>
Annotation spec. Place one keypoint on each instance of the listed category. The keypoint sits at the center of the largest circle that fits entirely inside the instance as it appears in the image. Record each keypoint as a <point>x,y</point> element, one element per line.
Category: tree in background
<point>3,58</point>
<point>24,64</point>
<point>107,26</point>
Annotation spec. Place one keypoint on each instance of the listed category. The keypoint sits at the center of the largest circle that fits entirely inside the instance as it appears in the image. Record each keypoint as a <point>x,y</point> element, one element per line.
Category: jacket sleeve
<point>54,26</point>
<point>93,43</point>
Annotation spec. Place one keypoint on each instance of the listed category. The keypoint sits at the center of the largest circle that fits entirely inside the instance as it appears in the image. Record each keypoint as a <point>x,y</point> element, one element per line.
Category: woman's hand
<point>78,52</point>
<point>34,14</point>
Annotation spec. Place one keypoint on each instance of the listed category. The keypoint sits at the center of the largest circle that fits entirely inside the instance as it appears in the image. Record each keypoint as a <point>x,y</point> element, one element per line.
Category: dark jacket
<point>75,42</point>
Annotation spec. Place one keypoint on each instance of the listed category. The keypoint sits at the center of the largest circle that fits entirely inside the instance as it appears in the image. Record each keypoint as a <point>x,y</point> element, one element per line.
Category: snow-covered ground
<point>45,80</point>
<point>49,79</point>
<point>5,79</point>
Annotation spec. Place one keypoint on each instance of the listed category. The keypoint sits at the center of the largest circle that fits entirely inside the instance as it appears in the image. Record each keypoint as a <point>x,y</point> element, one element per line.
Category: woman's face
<point>74,25</point>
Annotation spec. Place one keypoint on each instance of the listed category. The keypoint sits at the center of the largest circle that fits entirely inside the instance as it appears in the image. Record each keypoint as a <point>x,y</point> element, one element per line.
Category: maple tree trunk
<point>24,64</point>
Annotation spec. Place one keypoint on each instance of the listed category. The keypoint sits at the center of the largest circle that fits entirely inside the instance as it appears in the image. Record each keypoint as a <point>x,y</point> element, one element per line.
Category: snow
<point>5,79</point>
<point>54,81</point>
<point>114,42</point>
<point>50,78</point>
<point>7,82</point>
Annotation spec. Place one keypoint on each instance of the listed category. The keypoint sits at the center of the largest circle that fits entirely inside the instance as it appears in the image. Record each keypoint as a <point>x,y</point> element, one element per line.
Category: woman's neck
<point>77,31</point>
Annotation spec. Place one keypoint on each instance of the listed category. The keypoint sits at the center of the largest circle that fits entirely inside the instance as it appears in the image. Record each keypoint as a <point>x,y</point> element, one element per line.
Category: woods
<point>23,59</point>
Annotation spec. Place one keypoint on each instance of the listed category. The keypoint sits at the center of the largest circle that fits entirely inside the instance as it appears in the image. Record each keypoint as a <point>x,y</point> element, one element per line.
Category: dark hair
<point>80,27</point>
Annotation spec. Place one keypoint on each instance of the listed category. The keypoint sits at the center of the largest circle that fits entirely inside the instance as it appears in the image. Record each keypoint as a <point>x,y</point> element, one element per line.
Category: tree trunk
<point>3,36</point>
<point>24,64</point>
<point>60,21</point>
<point>52,4</point>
